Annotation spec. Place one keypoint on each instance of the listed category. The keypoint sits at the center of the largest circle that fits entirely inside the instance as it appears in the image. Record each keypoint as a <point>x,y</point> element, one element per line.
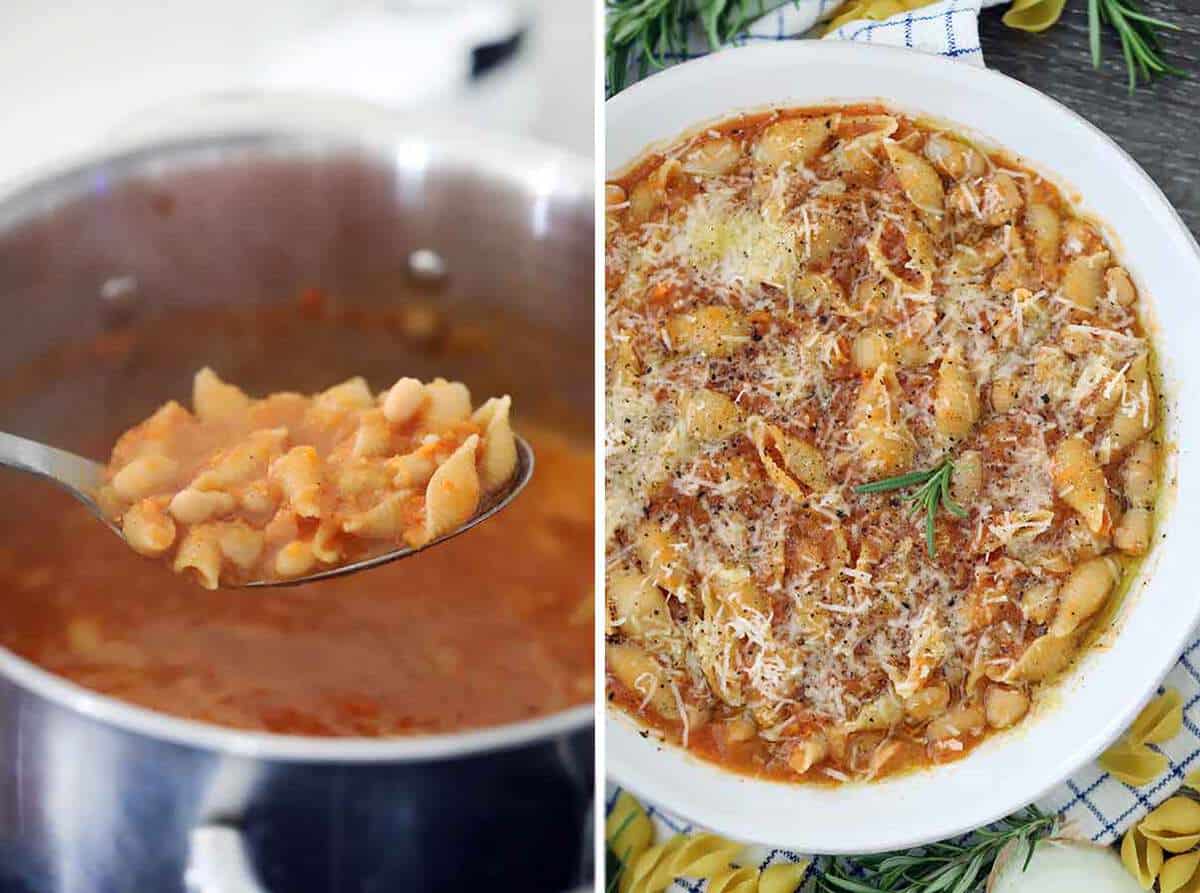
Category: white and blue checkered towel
<point>1095,805</point>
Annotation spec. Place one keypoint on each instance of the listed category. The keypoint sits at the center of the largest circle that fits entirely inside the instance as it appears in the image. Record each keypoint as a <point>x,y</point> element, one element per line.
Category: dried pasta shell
<point>1160,720</point>
<point>1192,780</point>
<point>628,830</point>
<point>1180,874</point>
<point>1142,857</point>
<point>638,874</point>
<point>1175,825</point>
<point>783,877</point>
<point>1134,764</point>
<point>733,880</point>
<point>699,856</point>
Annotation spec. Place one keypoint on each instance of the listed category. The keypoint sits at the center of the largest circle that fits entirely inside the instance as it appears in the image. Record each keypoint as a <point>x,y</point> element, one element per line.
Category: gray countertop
<point>1159,124</point>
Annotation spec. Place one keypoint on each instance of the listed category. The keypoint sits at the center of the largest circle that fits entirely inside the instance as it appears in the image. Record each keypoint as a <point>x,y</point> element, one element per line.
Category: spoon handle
<point>79,475</point>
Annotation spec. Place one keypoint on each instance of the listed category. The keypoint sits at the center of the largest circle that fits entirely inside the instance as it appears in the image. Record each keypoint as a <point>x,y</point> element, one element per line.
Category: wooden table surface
<point>1159,124</point>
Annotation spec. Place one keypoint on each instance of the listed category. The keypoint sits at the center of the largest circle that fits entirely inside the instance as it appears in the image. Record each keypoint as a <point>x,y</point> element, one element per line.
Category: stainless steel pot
<point>96,795</point>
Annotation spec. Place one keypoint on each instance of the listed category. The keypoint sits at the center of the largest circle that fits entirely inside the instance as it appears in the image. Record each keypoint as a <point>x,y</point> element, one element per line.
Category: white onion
<point>1061,866</point>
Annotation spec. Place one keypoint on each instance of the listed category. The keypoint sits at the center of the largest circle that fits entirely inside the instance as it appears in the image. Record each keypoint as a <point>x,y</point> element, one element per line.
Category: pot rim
<point>541,169</point>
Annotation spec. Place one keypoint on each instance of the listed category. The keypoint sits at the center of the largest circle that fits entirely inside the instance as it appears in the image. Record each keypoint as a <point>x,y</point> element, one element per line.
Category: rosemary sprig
<point>643,32</point>
<point>1139,38</point>
<point>933,490</point>
<point>954,866</point>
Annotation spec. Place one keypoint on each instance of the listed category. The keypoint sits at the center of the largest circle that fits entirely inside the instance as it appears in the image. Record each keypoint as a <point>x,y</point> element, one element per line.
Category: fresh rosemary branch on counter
<point>955,866</point>
<point>643,32</point>
<point>933,490</point>
<point>649,34</point>
<point>1139,38</point>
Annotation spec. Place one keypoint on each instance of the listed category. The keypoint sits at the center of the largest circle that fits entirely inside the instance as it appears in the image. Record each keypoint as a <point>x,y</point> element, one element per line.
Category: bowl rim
<point>535,166</point>
<point>624,760</point>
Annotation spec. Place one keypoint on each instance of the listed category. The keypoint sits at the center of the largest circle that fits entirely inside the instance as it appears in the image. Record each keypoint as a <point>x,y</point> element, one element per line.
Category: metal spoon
<point>82,477</point>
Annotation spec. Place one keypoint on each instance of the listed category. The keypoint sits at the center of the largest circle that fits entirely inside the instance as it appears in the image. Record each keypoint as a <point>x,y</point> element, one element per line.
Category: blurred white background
<point>78,75</point>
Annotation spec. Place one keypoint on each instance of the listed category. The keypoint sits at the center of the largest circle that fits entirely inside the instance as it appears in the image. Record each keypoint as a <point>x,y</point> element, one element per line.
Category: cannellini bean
<point>295,559</point>
<point>403,400</point>
<point>1120,286</point>
<point>961,722</point>
<point>926,703</point>
<point>1139,476</point>
<point>871,349</point>
<point>192,506</point>
<point>1084,593</point>
<point>147,528</point>
<point>144,476</point>
<point>1004,705</point>
<point>1132,533</point>
<point>807,752</point>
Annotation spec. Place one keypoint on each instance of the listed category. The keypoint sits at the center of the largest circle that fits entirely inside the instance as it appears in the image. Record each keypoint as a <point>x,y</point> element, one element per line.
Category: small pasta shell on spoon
<point>1175,825</point>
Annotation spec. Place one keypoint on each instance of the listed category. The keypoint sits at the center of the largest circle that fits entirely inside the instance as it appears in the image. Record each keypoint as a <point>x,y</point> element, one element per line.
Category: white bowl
<point>1110,684</point>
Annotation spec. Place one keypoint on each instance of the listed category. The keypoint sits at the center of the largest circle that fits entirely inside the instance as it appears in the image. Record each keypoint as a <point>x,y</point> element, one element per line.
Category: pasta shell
<point>1180,874</point>
<point>1134,764</point>
<point>643,675</point>
<point>919,180</point>
<point>638,873</point>
<point>884,442</point>
<point>1192,780</point>
<point>1080,482</point>
<point>452,494</point>
<point>1143,858</point>
<point>699,856</point>
<point>733,880</point>
<point>628,829</point>
<point>783,877</point>
<point>788,461</point>
<point>1175,825</point>
<point>1044,657</point>
<point>1160,720</point>
<point>638,605</point>
<point>498,455</point>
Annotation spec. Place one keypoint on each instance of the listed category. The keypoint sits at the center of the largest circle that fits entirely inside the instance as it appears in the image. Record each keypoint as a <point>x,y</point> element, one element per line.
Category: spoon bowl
<point>82,477</point>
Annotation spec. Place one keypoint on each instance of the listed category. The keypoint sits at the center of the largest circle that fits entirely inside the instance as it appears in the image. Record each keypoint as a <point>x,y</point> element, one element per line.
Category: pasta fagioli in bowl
<point>892,437</point>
